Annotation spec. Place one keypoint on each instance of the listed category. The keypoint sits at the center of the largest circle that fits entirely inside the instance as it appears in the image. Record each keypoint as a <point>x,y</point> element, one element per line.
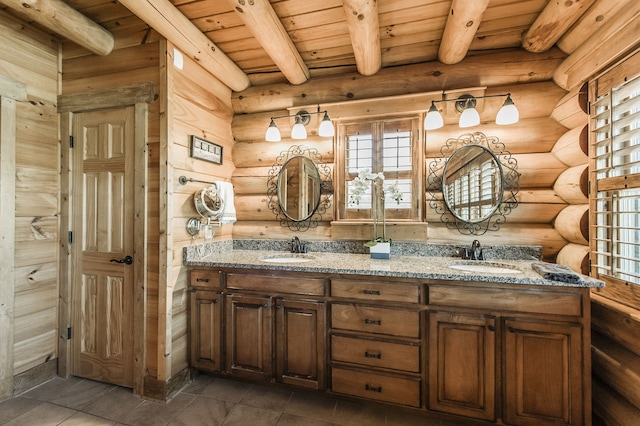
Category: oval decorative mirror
<point>474,185</point>
<point>299,188</point>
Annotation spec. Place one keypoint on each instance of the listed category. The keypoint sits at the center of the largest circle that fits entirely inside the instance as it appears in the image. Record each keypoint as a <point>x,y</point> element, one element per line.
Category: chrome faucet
<point>475,253</point>
<point>298,246</point>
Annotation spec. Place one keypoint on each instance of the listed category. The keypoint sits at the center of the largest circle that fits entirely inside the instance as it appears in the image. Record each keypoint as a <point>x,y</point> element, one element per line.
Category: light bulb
<point>326,129</point>
<point>469,118</point>
<point>298,131</point>
<point>273,134</point>
<point>509,113</point>
<point>434,119</point>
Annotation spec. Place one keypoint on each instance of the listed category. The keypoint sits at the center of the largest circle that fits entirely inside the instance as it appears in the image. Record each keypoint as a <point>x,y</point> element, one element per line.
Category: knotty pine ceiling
<point>410,31</point>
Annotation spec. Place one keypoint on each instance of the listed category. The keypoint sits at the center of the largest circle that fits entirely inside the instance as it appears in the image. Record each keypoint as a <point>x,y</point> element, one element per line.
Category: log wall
<point>531,141</point>
<point>30,277</point>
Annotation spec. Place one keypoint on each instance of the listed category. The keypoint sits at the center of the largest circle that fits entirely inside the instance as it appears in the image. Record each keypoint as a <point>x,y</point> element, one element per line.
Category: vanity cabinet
<point>511,354</point>
<point>249,329</point>
<point>536,338</point>
<point>543,372</point>
<point>376,348</point>
<point>274,330</point>
<point>206,321</point>
<point>462,364</point>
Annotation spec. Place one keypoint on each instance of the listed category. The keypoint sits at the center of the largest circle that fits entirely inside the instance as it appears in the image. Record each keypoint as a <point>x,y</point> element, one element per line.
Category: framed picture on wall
<point>203,149</point>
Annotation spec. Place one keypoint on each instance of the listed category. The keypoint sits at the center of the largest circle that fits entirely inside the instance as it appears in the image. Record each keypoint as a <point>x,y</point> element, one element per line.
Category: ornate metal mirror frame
<point>509,187</point>
<point>324,191</point>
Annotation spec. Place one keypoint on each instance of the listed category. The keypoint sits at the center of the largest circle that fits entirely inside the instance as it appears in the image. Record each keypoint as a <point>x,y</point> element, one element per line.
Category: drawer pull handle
<point>368,354</point>
<point>373,388</point>
<point>202,280</point>
<point>373,322</point>
<point>372,292</point>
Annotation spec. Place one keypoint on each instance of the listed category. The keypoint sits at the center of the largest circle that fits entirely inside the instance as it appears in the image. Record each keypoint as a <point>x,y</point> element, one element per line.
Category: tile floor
<point>206,401</point>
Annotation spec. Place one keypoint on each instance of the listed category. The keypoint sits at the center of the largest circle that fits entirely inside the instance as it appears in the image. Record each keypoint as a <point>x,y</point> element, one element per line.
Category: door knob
<point>127,259</point>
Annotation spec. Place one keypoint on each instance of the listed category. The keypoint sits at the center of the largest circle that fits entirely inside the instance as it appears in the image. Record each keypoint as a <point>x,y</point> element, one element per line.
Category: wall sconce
<point>469,117</point>
<point>299,130</point>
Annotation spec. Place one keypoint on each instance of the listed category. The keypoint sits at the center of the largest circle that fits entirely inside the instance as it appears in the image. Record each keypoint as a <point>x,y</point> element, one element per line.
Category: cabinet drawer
<point>269,284</point>
<point>365,290</point>
<point>395,389</point>
<point>204,279</point>
<point>374,353</point>
<point>370,319</point>
<point>535,301</point>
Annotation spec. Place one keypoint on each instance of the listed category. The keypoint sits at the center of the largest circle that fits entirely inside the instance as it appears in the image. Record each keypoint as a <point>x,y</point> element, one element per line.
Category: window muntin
<point>386,146</point>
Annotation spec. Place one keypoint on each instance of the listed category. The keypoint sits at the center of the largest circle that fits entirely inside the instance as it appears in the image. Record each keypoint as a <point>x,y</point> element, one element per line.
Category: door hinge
<point>70,141</point>
<point>588,108</point>
<point>68,333</point>
<point>70,237</point>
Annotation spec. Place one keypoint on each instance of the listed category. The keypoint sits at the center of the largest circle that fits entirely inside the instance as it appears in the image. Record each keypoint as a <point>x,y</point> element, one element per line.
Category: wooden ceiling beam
<point>364,29</point>
<point>62,19</point>
<point>554,20</point>
<point>263,22</point>
<point>601,49</point>
<point>462,24</point>
<point>165,18</point>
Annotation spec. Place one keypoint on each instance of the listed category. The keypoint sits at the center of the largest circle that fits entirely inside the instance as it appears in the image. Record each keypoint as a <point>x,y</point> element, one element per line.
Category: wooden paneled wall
<point>30,58</point>
<point>198,104</point>
<point>536,142</point>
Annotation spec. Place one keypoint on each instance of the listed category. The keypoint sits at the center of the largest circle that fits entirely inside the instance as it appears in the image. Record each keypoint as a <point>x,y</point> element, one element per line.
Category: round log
<point>572,185</point>
<point>575,256</point>
<point>571,110</point>
<point>573,223</point>
<point>572,147</point>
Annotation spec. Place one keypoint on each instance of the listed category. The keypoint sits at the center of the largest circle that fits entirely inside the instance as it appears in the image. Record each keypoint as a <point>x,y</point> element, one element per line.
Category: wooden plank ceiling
<point>297,40</point>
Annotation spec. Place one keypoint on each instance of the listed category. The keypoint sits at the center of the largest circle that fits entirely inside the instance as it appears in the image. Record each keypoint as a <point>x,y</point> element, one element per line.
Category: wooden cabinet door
<point>300,343</point>
<point>543,373</point>
<point>249,334</point>
<point>462,363</point>
<point>206,324</point>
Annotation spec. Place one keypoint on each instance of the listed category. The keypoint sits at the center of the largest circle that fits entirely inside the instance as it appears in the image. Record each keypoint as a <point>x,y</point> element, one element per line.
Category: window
<point>388,146</point>
<point>615,161</point>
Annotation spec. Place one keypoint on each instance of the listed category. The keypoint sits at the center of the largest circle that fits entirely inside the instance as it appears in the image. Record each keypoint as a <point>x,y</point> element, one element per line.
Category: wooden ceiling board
<point>410,31</point>
<point>219,22</point>
<point>204,8</point>
<point>289,8</point>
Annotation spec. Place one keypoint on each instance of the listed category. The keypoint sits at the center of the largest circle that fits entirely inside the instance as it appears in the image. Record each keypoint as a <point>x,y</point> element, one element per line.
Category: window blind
<point>616,173</point>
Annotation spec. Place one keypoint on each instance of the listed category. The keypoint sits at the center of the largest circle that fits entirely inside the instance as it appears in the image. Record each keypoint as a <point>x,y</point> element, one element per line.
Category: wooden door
<point>102,246</point>
<point>206,327</point>
<point>462,364</point>
<point>249,333</point>
<point>543,373</point>
<point>300,343</point>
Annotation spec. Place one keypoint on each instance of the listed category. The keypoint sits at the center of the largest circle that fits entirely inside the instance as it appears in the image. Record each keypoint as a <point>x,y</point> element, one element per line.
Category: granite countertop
<point>404,265</point>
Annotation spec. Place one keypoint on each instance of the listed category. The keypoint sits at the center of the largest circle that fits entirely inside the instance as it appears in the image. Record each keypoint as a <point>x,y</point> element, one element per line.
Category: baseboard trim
<point>161,391</point>
<point>35,376</point>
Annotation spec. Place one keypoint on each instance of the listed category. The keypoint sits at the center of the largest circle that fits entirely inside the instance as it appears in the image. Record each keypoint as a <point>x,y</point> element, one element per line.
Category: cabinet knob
<point>492,328</point>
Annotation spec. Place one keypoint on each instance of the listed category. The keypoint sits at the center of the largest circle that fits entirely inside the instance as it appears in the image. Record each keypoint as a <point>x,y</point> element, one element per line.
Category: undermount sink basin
<point>288,258</point>
<point>484,267</point>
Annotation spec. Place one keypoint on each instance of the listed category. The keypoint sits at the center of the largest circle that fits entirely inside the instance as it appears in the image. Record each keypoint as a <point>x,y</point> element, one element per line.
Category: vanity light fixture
<point>469,117</point>
<point>299,130</point>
